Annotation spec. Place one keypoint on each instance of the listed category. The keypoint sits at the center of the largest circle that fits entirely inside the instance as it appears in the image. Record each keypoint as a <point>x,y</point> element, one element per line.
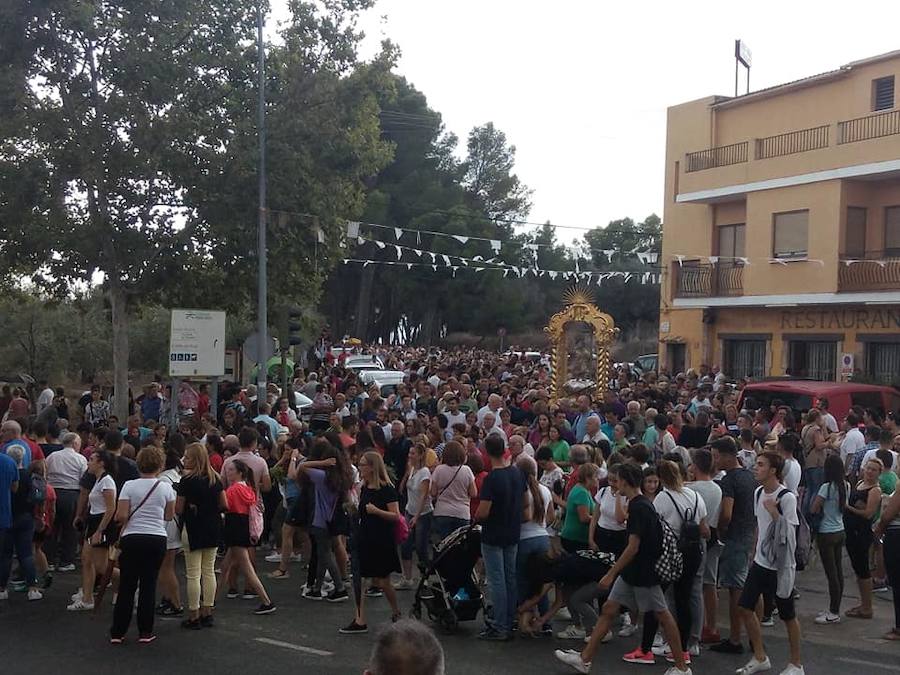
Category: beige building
<point>781,239</point>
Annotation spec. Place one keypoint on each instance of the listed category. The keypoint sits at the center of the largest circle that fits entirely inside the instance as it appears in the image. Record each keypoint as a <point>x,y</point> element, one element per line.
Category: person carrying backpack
<point>634,579</point>
<point>684,511</point>
<point>17,538</point>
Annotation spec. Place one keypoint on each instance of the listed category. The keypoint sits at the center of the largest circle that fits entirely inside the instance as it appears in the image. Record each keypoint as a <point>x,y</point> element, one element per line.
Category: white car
<point>363,362</point>
<point>386,380</point>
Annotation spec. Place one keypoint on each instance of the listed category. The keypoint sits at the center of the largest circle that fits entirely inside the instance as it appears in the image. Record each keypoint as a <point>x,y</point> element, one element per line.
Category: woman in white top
<point>534,539</point>
<point>677,505</point>
<point>453,487</point>
<point>145,505</point>
<point>100,530</point>
<point>170,589</point>
<point>419,509</point>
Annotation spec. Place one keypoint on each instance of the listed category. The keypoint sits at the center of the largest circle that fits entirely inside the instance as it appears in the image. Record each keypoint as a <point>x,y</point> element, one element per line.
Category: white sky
<point>581,87</point>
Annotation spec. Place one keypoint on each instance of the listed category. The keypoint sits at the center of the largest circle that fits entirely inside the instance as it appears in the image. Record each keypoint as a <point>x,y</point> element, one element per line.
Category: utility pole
<point>262,253</point>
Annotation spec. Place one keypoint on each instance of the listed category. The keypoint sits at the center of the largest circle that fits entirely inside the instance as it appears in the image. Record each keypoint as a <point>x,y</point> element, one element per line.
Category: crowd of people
<point>629,511</point>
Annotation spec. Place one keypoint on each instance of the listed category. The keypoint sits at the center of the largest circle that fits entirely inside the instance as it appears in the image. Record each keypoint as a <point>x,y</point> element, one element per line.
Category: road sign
<point>197,343</point>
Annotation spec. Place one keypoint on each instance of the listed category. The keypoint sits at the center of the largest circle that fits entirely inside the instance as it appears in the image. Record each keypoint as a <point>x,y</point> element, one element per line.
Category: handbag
<point>401,530</point>
<point>116,549</point>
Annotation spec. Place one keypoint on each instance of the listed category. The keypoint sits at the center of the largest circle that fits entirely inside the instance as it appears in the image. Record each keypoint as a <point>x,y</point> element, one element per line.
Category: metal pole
<point>735,76</point>
<point>748,79</point>
<point>262,253</point>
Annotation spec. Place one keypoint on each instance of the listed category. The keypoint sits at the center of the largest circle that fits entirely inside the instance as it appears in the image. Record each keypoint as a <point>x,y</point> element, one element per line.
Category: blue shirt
<point>272,424</point>
<point>579,428</point>
<point>9,474</point>
<point>832,519</point>
<point>150,408</point>
<point>26,450</point>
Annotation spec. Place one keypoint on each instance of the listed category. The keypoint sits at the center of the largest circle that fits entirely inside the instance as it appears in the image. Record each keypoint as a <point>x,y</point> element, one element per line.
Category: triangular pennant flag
<point>434,267</point>
<point>346,261</point>
<point>464,262</point>
<point>417,252</point>
<point>778,261</point>
<point>713,259</point>
<point>679,258</point>
<point>880,263</point>
<point>433,257</point>
<point>505,273</point>
<point>608,252</point>
<point>627,277</point>
<point>453,271</point>
<point>744,261</point>
<point>552,275</point>
<point>352,229</point>
<point>398,233</point>
<point>478,258</point>
<point>360,240</point>
<point>652,257</point>
<point>495,245</point>
<point>478,269</point>
<point>446,259</point>
<point>379,244</point>
<point>366,263</point>
<point>409,266</point>
<point>460,238</point>
<point>399,252</point>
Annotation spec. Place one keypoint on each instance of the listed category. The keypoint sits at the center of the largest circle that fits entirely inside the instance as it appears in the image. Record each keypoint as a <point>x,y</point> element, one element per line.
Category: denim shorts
<point>734,561</point>
<point>711,564</point>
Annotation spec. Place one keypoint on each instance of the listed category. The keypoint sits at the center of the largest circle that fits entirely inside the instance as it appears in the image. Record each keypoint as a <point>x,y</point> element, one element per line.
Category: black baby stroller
<point>448,589</point>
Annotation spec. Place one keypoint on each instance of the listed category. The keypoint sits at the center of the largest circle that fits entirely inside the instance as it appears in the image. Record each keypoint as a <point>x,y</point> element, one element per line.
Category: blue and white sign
<point>197,343</point>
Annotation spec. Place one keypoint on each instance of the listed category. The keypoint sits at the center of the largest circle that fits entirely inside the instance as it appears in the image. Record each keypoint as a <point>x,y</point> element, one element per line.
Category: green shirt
<point>560,451</point>
<point>573,528</point>
<point>887,482</point>
<point>650,438</point>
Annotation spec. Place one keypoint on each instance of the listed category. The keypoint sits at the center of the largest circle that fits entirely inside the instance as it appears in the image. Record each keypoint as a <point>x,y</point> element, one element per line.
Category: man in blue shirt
<point>10,435</point>
<point>151,406</point>
<point>9,482</point>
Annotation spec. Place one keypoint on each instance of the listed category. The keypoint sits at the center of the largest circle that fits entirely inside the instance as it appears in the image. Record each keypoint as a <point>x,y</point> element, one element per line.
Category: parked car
<point>386,380</point>
<point>646,363</point>
<point>801,395</point>
<point>360,362</point>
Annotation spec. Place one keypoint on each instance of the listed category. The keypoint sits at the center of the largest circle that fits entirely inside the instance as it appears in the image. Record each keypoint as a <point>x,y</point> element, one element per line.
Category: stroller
<point>448,589</point>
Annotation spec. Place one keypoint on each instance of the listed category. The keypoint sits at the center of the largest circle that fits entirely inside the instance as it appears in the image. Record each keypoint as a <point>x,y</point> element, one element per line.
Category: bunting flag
<point>398,233</point>
<point>495,245</point>
<point>399,252</point>
<point>713,259</point>
<point>461,239</point>
<point>380,244</point>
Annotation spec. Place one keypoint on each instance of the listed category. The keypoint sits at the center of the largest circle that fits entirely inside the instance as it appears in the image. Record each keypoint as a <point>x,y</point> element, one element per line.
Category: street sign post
<point>197,343</point>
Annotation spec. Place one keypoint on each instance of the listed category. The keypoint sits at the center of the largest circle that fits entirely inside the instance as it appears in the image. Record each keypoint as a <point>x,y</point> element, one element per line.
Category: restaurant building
<point>781,235</point>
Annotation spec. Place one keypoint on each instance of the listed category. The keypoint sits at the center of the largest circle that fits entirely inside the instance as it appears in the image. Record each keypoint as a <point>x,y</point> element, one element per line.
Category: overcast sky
<point>581,87</point>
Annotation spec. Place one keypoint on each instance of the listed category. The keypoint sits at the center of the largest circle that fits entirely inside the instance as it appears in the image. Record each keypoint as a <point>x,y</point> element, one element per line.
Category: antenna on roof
<point>743,56</point>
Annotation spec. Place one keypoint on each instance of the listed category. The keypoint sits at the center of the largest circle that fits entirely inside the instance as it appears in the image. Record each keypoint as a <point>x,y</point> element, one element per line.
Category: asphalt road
<point>42,637</point>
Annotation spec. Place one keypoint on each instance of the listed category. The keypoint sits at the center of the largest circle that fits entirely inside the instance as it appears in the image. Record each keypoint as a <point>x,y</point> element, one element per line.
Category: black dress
<point>378,556</point>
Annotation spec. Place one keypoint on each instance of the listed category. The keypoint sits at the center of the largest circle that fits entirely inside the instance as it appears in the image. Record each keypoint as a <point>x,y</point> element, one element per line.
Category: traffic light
<point>294,326</point>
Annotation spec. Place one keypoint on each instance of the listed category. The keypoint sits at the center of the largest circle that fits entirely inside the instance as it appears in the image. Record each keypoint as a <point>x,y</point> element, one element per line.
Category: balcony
<point>724,155</point>
<point>871,271</point>
<point>865,128</point>
<point>701,279</point>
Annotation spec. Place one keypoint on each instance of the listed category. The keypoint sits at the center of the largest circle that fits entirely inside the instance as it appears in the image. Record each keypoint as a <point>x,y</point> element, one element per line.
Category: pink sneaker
<point>640,656</point>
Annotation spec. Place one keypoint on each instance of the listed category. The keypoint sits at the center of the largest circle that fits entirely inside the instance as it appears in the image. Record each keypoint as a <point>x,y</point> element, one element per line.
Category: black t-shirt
<point>49,448</point>
<point>694,437</point>
<point>739,484</point>
<point>505,490</point>
<point>20,503</point>
<point>643,521</point>
<point>126,470</point>
<point>396,454</point>
<point>202,517</point>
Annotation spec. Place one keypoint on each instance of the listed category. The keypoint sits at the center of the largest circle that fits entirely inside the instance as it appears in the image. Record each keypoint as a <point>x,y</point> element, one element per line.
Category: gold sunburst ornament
<point>578,295</point>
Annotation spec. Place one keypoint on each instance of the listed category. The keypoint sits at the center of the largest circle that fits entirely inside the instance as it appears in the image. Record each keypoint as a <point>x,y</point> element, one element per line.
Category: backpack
<point>804,534</point>
<point>37,495</point>
<point>670,564</point>
<point>689,539</point>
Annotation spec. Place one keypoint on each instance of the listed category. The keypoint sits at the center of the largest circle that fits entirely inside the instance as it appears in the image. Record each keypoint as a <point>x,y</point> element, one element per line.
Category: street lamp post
<point>262,253</point>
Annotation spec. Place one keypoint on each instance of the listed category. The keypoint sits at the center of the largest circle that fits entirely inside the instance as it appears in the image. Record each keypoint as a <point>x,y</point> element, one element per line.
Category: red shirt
<point>215,461</point>
<point>36,452</point>
<point>479,481</point>
<point>240,498</point>
<point>202,405</point>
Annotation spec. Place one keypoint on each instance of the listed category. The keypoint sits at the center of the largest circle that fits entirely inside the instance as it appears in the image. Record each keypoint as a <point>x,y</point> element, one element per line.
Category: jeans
<point>444,525</point>
<point>419,539</point>
<point>18,538</point>
<point>139,563</point>
<point>831,550</point>
<point>61,546</point>
<point>500,568</point>
<point>527,548</point>
<point>697,604</point>
<point>200,571</point>
<point>325,559</point>
<point>892,563</point>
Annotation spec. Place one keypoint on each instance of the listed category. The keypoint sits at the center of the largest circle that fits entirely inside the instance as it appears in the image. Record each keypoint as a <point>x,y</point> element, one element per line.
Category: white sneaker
<point>694,649</point>
<point>660,649</point>
<point>607,637</point>
<point>273,558</point>
<point>828,617</point>
<point>327,587</point>
<point>4,595</point>
<point>754,666</point>
<point>35,594</point>
<point>793,670</point>
<point>658,640</point>
<point>572,632</point>
<point>564,614</point>
<point>77,596</point>
<point>573,660</point>
<point>674,671</point>
<point>296,557</point>
<point>80,606</point>
<point>66,568</point>
<point>628,628</point>
<point>405,584</point>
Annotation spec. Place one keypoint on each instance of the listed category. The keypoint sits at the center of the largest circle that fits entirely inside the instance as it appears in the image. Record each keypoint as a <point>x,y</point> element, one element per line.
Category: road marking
<point>873,664</point>
<point>301,648</point>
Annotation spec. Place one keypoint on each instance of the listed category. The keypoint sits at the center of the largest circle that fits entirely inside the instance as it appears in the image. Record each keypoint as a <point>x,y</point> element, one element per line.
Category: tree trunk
<point>119,303</point>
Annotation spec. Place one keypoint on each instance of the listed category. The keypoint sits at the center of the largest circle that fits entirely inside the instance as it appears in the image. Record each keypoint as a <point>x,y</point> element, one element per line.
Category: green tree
<point>489,179</point>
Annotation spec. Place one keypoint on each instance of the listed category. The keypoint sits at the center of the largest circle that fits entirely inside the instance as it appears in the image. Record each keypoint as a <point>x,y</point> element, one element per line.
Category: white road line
<point>301,648</point>
<point>872,664</point>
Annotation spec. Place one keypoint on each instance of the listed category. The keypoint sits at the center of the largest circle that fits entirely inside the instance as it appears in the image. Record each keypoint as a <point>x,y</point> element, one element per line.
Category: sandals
<point>858,613</point>
<point>279,574</point>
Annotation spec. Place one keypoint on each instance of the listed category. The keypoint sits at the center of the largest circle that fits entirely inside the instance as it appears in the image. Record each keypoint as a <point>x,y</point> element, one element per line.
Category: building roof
<point>802,83</point>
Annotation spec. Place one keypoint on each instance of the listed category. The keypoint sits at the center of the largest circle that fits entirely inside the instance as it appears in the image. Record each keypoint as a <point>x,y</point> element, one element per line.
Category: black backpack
<point>689,538</point>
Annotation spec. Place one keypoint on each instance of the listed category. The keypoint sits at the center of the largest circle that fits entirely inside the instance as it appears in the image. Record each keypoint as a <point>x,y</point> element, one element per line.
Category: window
<point>790,234</point>
<point>744,358</point>
<point>677,352</point>
<point>855,233</point>
<point>892,232</point>
<point>883,93</point>
<point>731,241</point>
<point>883,361</point>
<point>815,360</point>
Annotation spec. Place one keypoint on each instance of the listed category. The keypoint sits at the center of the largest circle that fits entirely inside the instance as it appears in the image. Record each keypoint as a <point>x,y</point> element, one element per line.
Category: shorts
<point>638,599</point>
<point>762,581</point>
<point>734,561</point>
<point>173,536</point>
<point>711,565</point>
<point>110,534</point>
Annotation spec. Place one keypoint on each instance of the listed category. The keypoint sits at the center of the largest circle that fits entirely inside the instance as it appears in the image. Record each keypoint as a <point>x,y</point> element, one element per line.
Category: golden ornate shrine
<point>580,337</point>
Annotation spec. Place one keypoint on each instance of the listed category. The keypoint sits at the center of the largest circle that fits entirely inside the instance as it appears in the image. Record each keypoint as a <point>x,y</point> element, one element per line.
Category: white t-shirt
<point>415,493</point>
<point>711,494</point>
<point>150,518</point>
<point>791,475</point>
<point>458,418</point>
<point>853,441</point>
<point>686,499</point>
<point>532,529</point>
<point>484,410</point>
<point>870,454</point>
<point>606,501</point>
<point>764,518</point>
<point>95,496</point>
<point>830,423</point>
<point>45,400</point>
